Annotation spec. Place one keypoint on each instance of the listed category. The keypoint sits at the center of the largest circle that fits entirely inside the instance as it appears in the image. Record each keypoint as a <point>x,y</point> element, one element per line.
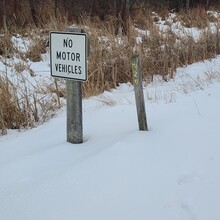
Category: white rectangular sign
<point>68,55</point>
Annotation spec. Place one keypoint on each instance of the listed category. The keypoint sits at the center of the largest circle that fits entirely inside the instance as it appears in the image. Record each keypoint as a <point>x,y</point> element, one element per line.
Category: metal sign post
<point>69,60</point>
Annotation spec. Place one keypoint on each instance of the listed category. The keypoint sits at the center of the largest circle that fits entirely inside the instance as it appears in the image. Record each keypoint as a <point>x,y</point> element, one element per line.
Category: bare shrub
<point>211,16</point>
<point>39,46</point>
<point>6,46</point>
<point>19,67</point>
<point>195,17</point>
<point>22,107</point>
<point>143,18</point>
<point>13,115</point>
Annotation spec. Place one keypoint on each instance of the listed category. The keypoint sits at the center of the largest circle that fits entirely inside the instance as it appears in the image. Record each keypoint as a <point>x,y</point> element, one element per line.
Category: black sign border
<point>86,53</point>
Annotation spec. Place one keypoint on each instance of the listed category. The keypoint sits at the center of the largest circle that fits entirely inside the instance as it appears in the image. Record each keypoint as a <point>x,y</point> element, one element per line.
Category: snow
<point>170,172</point>
<point>167,173</point>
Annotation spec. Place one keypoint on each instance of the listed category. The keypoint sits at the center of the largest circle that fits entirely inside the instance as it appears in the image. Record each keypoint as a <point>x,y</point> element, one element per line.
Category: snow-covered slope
<point>170,172</point>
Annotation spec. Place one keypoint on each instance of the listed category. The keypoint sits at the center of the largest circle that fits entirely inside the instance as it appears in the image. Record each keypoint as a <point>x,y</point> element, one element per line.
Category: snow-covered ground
<point>170,172</point>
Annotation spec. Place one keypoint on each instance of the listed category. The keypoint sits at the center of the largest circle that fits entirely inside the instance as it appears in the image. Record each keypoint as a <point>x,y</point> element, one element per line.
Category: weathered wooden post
<point>74,106</point>
<point>69,60</point>
<point>74,111</point>
<point>139,95</point>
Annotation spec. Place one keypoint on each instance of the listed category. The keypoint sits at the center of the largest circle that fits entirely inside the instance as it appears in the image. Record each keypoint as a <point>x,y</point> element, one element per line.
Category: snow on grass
<point>170,172</point>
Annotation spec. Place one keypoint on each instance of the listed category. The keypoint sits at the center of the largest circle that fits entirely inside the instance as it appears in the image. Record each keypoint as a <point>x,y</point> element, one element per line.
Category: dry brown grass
<point>109,61</point>
<point>6,46</point>
<point>161,52</point>
<point>195,17</point>
<point>12,113</point>
<point>37,48</point>
<point>143,18</point>
<point>22,107</point>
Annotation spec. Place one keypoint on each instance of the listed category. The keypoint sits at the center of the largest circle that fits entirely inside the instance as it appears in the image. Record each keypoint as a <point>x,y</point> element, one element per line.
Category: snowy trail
<point>170,172</point>
<point>38,162</point>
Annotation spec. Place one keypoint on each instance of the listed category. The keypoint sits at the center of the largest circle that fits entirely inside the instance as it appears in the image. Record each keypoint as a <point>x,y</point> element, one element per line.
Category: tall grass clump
<point>25,106</point>
<point>11,114</point>
<point>109,59</point>
<point>194,17</point>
